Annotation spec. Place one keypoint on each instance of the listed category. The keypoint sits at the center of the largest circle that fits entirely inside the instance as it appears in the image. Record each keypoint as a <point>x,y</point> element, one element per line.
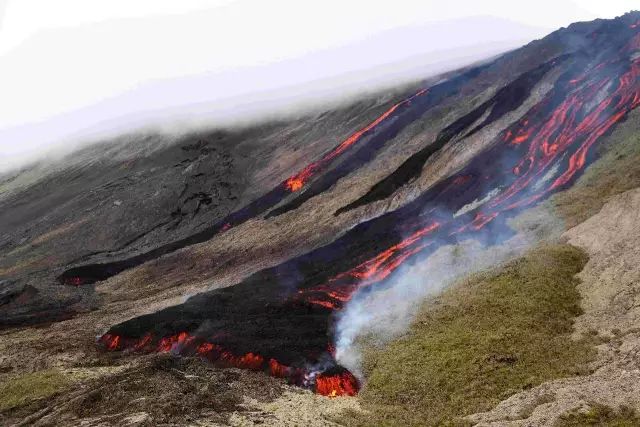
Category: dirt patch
<point>154,390</point>
<point>295,408</point>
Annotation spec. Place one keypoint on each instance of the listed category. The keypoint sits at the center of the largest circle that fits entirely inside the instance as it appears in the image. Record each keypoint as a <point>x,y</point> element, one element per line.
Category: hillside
<point>464,244</point>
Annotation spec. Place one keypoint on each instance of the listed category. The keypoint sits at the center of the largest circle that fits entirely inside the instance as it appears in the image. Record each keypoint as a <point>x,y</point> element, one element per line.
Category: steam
<point>384,314</point>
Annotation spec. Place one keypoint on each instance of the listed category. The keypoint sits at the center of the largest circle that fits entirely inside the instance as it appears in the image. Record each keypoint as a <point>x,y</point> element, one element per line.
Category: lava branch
<point>297,181</point>
<point>337,291</point>
<point>566,128</point>
<point>329,381</point>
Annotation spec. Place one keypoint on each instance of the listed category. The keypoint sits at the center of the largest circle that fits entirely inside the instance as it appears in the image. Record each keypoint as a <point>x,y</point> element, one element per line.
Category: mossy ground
<point>601,415</point>
<point>481,341</point>
<point>26,388</point>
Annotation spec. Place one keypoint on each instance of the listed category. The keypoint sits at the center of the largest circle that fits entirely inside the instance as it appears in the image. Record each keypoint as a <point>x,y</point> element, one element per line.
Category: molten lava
<point>344,384</point>
<point>337,291</point>
<point>297,181</point>
<point>331,384</point>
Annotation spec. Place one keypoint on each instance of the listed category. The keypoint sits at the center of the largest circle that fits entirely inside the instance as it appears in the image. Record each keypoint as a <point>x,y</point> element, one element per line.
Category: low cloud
<point>229,97</point>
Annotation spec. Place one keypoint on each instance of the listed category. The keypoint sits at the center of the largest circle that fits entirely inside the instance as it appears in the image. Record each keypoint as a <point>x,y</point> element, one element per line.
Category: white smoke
<point>386,313</point>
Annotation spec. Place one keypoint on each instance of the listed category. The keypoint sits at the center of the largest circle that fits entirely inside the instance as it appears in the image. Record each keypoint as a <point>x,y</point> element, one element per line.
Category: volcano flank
<point>246,248</point>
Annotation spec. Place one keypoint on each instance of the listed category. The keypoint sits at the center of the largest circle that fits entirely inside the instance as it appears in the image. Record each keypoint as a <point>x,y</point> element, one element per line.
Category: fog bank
<point>241,94</point>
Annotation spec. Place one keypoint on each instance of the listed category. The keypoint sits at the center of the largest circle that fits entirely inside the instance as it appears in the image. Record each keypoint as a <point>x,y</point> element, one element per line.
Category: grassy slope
<point>480,342</point>
<point>29,387</point>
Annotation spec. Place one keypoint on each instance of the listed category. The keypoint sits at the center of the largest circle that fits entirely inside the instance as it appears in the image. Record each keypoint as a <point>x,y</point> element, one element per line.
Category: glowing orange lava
<point>344,384</point>
<point>376,269</point>
<point>297,181</point>
<point>340,384</point>
<point>564,128</point>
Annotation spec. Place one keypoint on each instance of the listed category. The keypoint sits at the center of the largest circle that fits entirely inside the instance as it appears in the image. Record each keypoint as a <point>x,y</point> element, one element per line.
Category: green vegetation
<point>601,415</point>
<point>26,388</point>
<point>481,341</point>
<point>616,171</point>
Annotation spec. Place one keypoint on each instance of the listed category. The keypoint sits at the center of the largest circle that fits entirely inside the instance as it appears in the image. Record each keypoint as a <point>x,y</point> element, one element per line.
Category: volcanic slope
<point>275,227</point>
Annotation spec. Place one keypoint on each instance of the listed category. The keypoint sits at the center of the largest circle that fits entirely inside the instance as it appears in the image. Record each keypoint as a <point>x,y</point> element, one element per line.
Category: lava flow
<point>297,181</point>
<point>338,291</point>
<point>337,382</point>
<point>280,320</point>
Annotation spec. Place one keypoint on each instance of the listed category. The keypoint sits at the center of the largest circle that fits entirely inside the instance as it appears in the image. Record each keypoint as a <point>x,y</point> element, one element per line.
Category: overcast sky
<point>71,65</point>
